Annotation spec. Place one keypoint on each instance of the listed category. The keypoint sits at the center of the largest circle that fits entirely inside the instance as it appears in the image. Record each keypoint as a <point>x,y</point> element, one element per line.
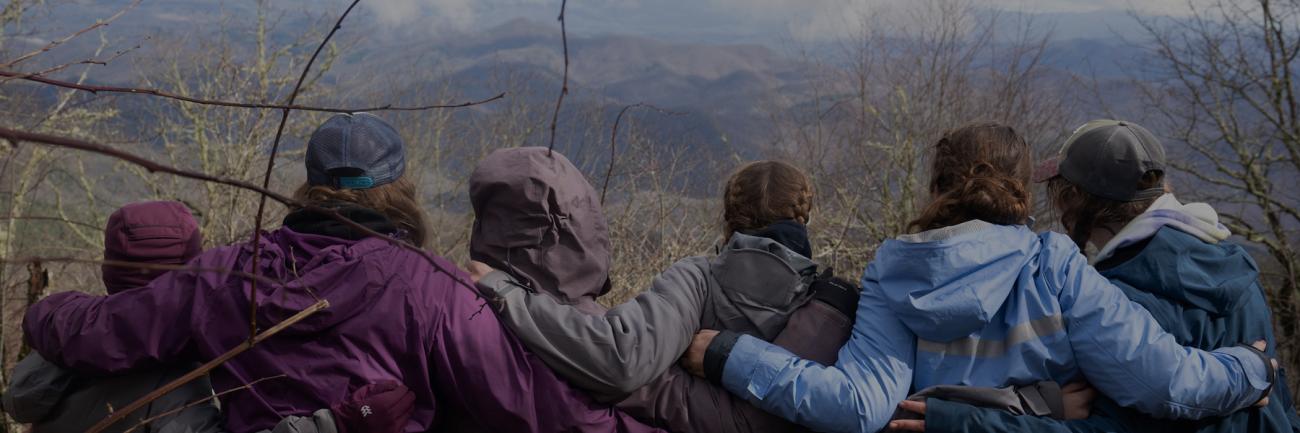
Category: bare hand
<point>1078,398</point>
<point>478,270</point>
<point>1262,345</point>
<point>693,359</point>
<point>916,407</point>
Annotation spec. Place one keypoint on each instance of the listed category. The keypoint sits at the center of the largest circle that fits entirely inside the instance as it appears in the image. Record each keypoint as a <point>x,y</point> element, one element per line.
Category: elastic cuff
<point>839,297</point>
<point>496,284</point>
<point>715,357</point>
<point>1270,373</point>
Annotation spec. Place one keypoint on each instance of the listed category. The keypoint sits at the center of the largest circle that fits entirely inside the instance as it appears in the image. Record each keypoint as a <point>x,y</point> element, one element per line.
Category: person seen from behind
<point>540,222</point>
<point>141,242</point>
<point>1108,187</point>
<point>974,297</point>
<point>393,315</point>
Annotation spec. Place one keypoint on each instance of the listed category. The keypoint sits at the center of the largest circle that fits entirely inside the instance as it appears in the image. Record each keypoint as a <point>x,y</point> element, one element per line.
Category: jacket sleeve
<point>943,416</point>
<point>680,402</point>
<point>614,354</point>
<point>142,327</point>
<point>856,394</point>
<point>479,368</point>
<point>35,388</point>
<point>1127,356</point>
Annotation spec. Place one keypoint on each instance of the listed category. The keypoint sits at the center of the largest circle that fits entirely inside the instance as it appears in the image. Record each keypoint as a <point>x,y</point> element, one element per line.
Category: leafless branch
<point>14,136</point>
<point>163,94</point>
<point>206,367</point>
<point>564,87</point>
<point>49,218</point>
<point>141,265</point>
<point>55,43</point>
<point>157,417</point>
<point>270,166</point>
<point>613,145</point>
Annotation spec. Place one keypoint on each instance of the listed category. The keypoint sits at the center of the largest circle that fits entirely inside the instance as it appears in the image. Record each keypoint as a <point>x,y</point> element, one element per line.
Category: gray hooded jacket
<point>753,285</point>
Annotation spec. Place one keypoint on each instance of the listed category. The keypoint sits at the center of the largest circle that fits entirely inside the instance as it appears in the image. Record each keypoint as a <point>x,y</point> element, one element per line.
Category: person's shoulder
<point>1056,250</point>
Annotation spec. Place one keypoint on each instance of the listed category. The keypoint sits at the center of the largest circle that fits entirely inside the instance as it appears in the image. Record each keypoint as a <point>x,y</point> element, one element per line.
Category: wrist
<point>715,356</point>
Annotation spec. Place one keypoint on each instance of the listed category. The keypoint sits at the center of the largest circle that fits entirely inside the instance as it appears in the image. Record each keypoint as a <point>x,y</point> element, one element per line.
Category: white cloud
<point>801,19</point>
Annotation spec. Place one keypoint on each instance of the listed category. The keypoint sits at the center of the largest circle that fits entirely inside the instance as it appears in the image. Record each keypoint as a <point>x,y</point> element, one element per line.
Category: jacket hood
<point>1196,219</point>
<point>154,232</point>
<point>1216,277</point>
<point>761,282</point>
<point>537,218</point>
<point>324,264</point>
<point>947,283</point>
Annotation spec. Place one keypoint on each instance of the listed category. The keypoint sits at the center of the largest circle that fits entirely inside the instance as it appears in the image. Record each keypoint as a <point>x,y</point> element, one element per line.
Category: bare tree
<point>1225,91</point>
<point>907,76</point>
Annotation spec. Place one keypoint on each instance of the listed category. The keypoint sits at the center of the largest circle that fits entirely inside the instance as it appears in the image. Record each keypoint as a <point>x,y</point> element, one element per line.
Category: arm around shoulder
<point>1127,356</point>
<point>613,354</point>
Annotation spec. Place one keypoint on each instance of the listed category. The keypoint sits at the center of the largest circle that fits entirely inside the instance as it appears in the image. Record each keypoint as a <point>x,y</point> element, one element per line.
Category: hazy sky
<point>725,19</point>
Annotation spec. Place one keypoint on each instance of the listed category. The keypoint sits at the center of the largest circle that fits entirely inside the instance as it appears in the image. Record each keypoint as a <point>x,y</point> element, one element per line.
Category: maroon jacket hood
<point>156,232</point>
<point>537,218</point>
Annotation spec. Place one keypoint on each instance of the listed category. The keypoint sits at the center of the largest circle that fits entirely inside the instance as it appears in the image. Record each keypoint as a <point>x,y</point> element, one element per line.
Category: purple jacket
<point>391,317</point>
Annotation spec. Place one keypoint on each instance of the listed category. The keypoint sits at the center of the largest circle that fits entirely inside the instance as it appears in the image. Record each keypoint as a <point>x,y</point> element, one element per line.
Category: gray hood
<point>760,284</point>
<point>537,218</point>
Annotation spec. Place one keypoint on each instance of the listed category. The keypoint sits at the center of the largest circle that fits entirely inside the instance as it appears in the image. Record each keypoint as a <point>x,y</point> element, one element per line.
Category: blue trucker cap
<point>355,151</point>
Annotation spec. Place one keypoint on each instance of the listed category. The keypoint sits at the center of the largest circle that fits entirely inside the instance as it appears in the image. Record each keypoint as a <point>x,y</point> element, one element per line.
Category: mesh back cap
<point>355,151</point>
<point>1107,158</point>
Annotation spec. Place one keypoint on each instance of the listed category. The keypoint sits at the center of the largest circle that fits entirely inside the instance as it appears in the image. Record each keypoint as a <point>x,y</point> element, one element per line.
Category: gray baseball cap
<point>1108,158</point>
<point>355,151</point>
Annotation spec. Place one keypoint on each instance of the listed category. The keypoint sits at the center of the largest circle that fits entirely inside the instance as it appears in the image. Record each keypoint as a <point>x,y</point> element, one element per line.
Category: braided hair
<point>763,192</point>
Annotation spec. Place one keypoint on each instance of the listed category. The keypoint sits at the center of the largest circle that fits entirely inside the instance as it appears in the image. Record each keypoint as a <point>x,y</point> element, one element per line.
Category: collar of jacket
<point>789,233</point>
<point>317,223</point>
<point>761,283</point>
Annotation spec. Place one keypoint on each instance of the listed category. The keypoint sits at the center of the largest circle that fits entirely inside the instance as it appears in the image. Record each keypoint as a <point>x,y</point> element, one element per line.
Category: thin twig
<point>270,166</point>
<point>54,44</point>
<point>206,367</point>
<point>14,136</point>
<point>163,94</point>
<point>90,61</point>
<point>142,266</point>
<point>49,218</point>
<point>149,420</point>
<point>613,145</point>
<point>564,87</point>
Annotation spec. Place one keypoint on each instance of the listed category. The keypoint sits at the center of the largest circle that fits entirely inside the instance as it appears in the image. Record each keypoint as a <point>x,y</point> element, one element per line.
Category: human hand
<point>693,359</point>
<point>1262,345</point>
<point>1077,398</point>
<point>916,407</point>
<point>478,270</point>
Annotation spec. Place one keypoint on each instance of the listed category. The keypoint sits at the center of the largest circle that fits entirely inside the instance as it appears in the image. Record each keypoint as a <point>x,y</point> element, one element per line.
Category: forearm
<point>480,369</point>
<point>943,416</point>
<point>608,355</point>
<point>854,395</point>
<point>86,334</point>
<point>682,403</point>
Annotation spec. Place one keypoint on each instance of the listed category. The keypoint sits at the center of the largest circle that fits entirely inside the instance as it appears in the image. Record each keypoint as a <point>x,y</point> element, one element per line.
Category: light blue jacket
<point>986,305</point>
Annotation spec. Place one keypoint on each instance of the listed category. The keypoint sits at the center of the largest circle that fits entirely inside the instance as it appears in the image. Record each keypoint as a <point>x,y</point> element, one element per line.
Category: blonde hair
<point>396,200</point>
<point>763,192</point>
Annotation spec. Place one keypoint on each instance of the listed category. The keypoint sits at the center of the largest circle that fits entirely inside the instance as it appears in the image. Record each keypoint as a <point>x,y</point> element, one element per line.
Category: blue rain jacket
<point>1207,296</point>
<point>988,305</point>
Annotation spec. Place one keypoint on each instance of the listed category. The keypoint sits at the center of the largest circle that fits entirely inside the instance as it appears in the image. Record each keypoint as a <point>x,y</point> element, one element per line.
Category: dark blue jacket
<point>1206,295</point>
